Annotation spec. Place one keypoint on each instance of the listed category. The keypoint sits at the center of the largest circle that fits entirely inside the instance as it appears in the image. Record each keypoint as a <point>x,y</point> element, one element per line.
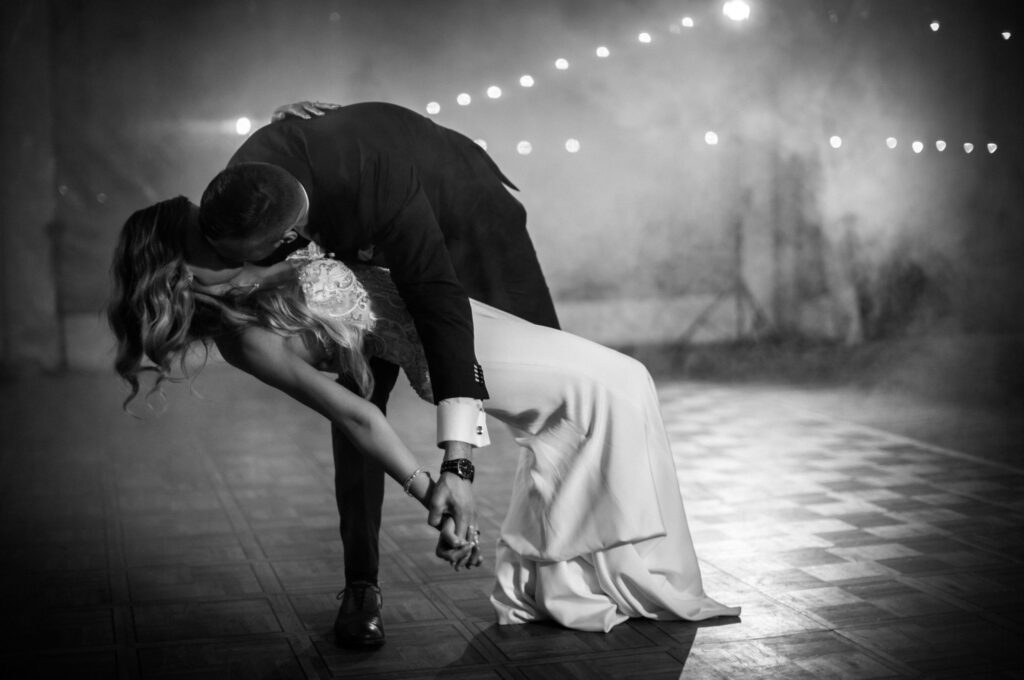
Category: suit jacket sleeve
<point>406,230</point>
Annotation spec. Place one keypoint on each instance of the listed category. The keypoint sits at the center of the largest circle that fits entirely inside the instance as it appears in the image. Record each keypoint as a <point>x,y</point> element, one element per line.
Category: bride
<point>595,532</point>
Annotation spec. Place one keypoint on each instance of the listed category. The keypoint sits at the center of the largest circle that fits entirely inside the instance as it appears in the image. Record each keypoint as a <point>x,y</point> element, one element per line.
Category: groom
<point>378,182</point>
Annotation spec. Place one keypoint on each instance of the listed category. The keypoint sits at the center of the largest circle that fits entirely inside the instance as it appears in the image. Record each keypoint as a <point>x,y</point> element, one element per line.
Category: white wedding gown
<point>596,532</point>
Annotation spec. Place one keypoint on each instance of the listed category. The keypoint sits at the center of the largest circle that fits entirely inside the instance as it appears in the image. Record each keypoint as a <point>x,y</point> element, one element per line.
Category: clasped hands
<point>453,513</point>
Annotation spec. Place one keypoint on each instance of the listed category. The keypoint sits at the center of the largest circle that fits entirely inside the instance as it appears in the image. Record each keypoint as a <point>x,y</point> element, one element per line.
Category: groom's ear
<point>289,236</point>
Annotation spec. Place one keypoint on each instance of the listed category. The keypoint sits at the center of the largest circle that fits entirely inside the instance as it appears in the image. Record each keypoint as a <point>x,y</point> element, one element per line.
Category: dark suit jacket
<point>429,200</point>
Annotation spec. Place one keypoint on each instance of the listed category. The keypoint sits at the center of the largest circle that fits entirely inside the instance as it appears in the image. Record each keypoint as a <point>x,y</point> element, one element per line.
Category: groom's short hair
<point>249,205</point>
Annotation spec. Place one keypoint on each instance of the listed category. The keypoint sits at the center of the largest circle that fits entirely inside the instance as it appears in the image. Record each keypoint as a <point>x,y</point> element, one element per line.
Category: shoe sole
<point>358,644</point>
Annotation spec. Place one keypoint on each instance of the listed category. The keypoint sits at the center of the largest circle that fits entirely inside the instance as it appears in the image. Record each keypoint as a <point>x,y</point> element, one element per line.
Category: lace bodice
<point>363,297</point>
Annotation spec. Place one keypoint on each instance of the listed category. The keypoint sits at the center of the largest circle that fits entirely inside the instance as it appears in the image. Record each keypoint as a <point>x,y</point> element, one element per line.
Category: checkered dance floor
<point>202,544</point>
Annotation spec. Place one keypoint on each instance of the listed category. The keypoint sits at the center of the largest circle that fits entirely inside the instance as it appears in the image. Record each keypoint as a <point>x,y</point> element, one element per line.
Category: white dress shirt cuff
<point>462,419</point>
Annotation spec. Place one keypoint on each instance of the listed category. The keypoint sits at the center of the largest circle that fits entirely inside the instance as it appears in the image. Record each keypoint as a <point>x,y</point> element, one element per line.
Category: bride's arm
<point>284,363</point>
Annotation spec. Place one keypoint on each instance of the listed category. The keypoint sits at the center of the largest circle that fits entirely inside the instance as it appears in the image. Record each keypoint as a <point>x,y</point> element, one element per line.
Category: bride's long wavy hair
<point>156,314</point>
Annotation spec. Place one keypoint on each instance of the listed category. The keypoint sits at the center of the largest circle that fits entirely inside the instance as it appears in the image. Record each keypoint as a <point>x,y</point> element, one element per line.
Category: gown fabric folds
<point>596,531</point>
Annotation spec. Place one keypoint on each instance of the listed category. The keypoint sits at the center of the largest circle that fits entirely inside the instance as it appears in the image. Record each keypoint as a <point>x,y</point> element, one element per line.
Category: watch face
<point>461,467</point>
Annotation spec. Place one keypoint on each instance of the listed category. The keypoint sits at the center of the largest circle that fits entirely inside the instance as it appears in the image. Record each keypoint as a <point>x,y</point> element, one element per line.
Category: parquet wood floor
<point>202,544</point>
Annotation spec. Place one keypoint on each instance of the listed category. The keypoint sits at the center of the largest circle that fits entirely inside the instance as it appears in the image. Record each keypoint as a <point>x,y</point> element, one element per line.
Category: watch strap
<point>462,467</point>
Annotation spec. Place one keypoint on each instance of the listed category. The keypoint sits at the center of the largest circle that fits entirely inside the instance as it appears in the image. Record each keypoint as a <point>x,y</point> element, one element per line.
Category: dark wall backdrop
<point>853,243</point>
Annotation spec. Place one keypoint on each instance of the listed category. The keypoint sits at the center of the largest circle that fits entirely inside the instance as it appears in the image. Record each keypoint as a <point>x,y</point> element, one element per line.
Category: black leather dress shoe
<point>359,623</point>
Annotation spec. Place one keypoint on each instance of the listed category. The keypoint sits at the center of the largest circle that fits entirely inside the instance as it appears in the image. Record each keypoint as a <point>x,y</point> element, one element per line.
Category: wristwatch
<point>463,467</point>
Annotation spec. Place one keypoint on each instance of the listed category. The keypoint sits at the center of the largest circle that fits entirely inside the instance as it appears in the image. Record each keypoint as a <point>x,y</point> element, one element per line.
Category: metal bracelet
<point>408,483</point>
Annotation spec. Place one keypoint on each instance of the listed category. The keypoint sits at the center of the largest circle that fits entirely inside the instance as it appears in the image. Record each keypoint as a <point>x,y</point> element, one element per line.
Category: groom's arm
<point>405,228</point>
